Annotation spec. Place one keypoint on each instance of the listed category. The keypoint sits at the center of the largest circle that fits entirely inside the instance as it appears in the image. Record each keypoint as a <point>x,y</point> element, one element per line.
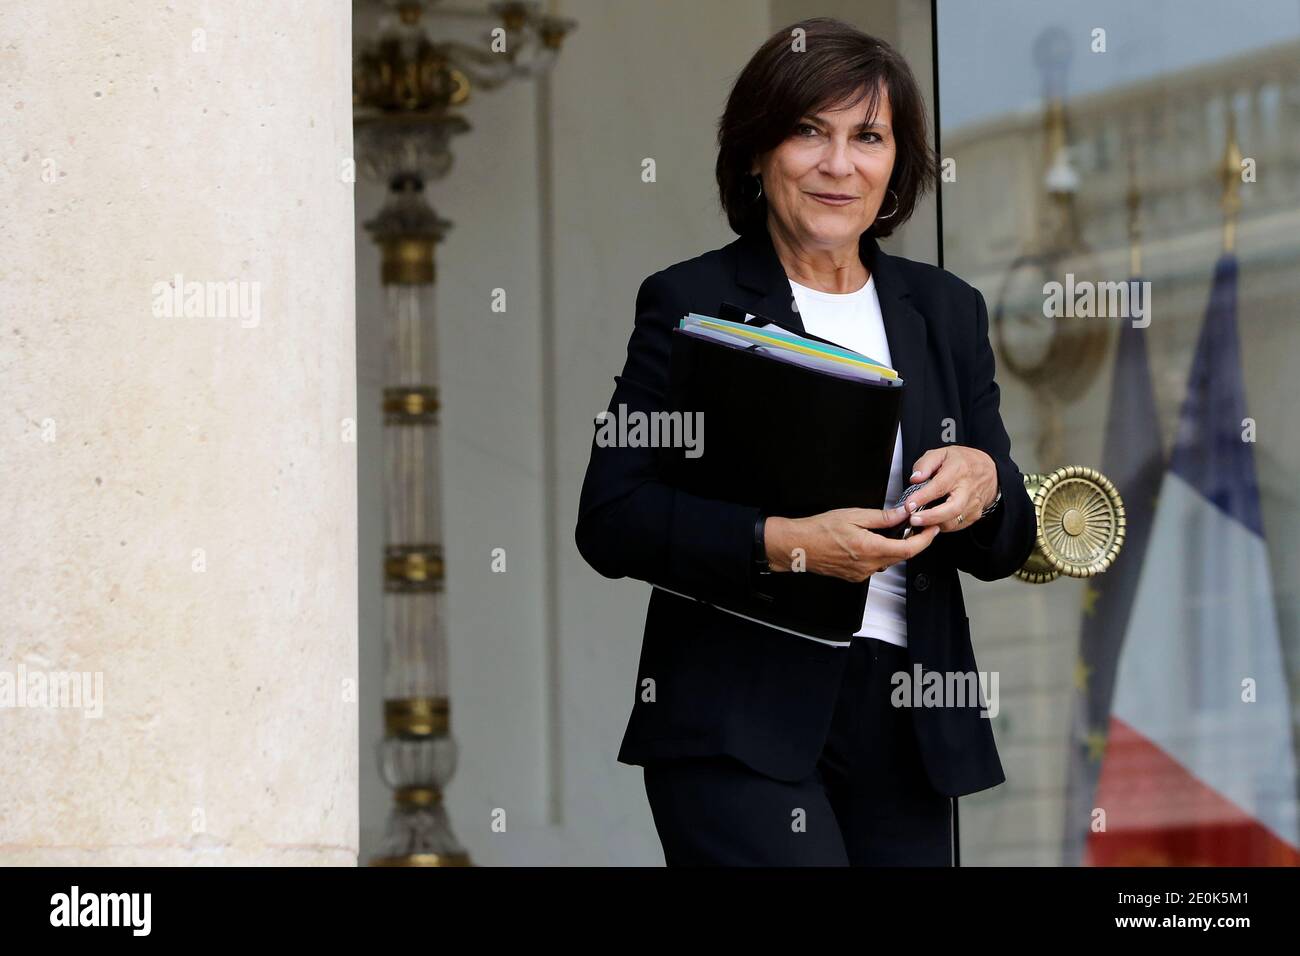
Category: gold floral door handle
<point>1081,524</point>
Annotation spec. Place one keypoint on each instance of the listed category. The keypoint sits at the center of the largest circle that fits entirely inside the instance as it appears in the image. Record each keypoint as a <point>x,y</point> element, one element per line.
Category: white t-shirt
<point>853,320</point>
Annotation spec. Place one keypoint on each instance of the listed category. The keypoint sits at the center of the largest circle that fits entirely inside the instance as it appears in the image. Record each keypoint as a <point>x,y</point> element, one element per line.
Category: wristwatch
<point>998,498</point>
<point>760,546</point>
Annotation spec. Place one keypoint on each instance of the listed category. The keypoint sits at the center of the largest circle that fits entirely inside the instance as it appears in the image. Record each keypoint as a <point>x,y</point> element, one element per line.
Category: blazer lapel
<point>908,336</point>
<point>759,269</point>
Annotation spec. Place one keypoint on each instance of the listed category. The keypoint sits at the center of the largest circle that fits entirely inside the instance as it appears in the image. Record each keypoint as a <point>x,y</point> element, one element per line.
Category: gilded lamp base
<point>418,756</point>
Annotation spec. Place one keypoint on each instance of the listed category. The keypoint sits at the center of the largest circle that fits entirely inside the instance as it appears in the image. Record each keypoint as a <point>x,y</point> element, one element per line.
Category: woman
<point>762,746</point>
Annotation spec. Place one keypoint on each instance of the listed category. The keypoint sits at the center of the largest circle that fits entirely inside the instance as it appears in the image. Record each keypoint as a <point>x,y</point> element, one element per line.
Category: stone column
<point>178,569</point>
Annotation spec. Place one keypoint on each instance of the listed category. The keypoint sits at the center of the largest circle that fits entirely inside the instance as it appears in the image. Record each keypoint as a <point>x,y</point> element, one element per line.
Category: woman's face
<point>826,182</point>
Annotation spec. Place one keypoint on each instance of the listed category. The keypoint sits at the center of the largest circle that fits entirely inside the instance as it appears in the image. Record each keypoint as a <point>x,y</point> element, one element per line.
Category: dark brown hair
<point>779,86</point>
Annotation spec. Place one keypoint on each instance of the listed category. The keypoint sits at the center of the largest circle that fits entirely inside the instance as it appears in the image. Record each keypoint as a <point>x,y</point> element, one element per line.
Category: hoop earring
<point>896,203</point>
<point>759,180</point>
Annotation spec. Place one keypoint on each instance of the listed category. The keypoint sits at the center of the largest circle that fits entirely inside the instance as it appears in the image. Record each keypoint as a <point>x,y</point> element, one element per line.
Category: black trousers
<point>868,802</point>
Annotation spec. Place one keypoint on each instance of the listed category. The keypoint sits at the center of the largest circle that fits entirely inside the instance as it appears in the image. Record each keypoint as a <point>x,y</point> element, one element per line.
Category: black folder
<point>794,442</point>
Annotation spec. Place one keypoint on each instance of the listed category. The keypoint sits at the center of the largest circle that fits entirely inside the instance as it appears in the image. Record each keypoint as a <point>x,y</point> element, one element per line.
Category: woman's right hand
<point>840,543</point>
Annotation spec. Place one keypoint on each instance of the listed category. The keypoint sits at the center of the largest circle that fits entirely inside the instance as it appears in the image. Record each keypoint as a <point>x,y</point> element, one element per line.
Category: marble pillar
<point>178,563</point>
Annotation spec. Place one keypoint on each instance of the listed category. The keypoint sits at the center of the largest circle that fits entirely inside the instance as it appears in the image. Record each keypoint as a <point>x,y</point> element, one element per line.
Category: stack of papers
<point>784,346</point>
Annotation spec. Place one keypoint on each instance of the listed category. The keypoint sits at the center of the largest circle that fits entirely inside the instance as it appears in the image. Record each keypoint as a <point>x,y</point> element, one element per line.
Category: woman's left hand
<point>967,476</point>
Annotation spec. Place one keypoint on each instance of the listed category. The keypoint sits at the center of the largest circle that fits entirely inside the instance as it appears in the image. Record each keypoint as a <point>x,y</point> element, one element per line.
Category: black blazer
<point>723,684</point>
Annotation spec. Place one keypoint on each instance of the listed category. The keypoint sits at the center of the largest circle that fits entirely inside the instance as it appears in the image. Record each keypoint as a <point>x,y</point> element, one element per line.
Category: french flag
<point>1133,457</point>
<point>1199,765</point>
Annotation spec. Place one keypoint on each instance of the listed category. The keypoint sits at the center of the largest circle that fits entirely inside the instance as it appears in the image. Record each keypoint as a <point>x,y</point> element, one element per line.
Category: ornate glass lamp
<point>405,87</point>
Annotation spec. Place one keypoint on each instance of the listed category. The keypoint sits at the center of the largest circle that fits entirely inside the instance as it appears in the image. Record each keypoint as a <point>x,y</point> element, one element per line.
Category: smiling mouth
<point>833,199</point>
